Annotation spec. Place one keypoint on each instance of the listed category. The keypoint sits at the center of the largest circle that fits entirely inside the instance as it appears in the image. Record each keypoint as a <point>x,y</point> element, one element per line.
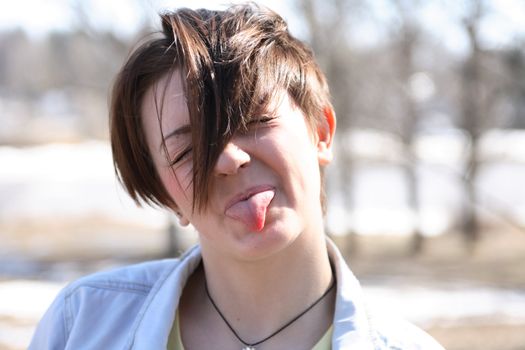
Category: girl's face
<point>266,185</point>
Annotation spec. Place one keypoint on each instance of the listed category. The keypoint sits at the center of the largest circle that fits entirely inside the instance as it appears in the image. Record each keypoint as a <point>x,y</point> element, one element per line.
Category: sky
<point>38,17</point>
<point>502,26</point>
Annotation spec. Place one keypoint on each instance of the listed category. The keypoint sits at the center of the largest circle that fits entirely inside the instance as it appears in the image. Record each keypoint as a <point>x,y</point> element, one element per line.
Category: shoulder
<point>103,305</point>
<point>138,278</point>
<point>387,332</point>
<point>398,334</point>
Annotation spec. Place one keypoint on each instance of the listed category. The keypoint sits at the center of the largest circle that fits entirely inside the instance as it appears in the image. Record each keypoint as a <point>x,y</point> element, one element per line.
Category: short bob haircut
<point>233,62</point>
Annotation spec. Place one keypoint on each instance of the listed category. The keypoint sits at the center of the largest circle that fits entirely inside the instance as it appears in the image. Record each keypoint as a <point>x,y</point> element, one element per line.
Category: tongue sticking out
<point>252,211</point>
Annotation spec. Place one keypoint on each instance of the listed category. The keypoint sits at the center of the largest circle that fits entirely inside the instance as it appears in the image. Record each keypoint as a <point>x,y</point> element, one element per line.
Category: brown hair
<point>234,62</point>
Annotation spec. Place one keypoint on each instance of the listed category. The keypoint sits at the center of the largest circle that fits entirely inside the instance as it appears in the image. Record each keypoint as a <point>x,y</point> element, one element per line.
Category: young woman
<point>225,119</point>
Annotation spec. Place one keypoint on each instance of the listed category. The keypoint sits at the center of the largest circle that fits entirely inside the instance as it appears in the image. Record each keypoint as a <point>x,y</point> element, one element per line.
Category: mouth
<point>250,207</point>
<point>247,194</point>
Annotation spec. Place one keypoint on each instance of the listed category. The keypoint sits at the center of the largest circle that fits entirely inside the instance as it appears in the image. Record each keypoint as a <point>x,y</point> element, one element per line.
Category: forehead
<point>164,101</point>
<point>165,109</point>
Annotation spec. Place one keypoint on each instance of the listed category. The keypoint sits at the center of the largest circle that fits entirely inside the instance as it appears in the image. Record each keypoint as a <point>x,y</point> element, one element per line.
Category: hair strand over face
<point>234,63</point>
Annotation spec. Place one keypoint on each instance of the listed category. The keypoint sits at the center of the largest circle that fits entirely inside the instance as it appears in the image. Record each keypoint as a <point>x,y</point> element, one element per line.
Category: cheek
<point>178,183</point>
<point>298,158</point>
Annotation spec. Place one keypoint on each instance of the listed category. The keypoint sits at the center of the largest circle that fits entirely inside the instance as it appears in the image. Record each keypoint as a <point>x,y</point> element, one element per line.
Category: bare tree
<point>514,60</point>
<point>472,115</point>
<point>332,49</point>
<point>405,46</point>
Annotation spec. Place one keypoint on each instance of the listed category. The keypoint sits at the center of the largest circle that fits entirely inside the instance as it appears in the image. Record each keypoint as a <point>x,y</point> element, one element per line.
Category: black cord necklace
<point>251,346</point>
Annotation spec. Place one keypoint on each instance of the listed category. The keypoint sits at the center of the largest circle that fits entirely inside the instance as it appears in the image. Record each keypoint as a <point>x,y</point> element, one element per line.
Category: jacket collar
<point>158,310</point>
<point>351,325</point>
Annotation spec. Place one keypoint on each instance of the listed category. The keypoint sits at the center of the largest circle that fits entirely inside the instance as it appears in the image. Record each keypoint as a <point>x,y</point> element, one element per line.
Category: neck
<point>298,275</point>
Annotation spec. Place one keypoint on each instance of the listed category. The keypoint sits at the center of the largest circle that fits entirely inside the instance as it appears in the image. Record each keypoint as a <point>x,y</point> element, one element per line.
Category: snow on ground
<point>450,306</point>
<point>65,180</point>
<point>77,179</point>
<point>69,180</point>
<point>22,303</point>
<point>26,300</point>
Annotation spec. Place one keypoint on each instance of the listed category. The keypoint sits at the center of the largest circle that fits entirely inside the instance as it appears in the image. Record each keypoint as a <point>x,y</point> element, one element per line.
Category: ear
<point>325,136</point>
<point>182,220</point>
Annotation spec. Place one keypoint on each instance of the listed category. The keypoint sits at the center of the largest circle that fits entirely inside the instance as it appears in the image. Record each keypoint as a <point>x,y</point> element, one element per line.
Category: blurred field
<point>422,91</point>
<point>63,250</point>
<point>486,337</point>
<point>498,261</point>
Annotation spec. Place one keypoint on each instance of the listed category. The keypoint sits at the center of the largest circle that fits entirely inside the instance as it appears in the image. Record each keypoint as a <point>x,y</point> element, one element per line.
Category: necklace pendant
<point>249,348</point>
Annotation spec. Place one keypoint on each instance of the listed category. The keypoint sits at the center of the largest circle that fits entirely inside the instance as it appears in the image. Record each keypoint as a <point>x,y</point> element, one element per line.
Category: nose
<point>231,159</point>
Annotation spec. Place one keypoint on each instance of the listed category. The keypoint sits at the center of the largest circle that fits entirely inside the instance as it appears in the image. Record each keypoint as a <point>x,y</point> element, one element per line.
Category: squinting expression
<point>266,182</point>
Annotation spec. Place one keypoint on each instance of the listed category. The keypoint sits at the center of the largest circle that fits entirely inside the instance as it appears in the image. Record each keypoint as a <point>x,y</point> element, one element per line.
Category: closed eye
<point>181,156</point>
<point>260,120</point>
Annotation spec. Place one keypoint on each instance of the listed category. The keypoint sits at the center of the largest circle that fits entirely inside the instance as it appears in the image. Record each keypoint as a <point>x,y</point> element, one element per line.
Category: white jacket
<point>134,308</point>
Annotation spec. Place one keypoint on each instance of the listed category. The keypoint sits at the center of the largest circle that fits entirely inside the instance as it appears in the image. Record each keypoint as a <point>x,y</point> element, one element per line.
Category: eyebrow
<point>183,130</point>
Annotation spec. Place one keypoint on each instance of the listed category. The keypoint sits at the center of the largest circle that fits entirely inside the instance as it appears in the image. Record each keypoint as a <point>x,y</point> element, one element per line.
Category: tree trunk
<point>472,124</point>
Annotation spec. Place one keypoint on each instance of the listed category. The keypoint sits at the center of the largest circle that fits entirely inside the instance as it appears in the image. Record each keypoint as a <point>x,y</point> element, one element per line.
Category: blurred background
<point>426,196</point>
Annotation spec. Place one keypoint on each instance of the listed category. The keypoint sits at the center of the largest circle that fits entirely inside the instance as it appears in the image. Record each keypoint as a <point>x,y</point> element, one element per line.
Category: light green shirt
<point>175,340</point>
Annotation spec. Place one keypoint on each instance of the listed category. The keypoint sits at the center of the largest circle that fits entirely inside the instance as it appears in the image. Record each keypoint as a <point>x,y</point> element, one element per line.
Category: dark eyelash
<point>181,156</point>
<point>265,119</point>
<point>262,119</point>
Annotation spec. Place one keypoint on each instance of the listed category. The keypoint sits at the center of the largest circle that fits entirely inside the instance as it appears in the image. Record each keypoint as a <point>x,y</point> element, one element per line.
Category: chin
<point>275,237</point>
